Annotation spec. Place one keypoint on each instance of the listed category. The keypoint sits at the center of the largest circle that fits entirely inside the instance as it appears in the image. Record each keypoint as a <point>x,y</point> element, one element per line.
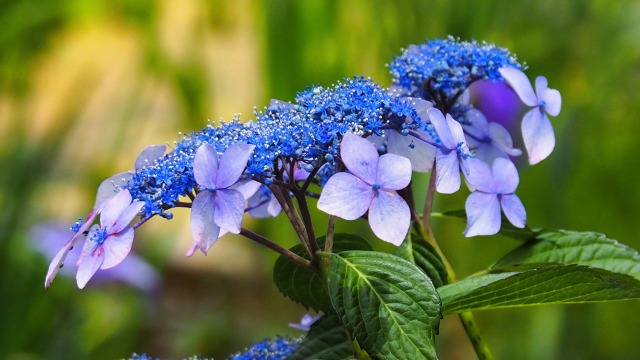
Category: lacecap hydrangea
<point>353,146</point>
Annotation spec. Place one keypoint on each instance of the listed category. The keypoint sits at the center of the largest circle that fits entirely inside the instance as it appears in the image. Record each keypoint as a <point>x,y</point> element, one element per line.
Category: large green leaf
<point>550,284</point>
<point>386,303</point>
<point>573,247</point>
<point>506,228</point>
<point>326,340</point>
<point>304,286</point>
<point>418,251</point>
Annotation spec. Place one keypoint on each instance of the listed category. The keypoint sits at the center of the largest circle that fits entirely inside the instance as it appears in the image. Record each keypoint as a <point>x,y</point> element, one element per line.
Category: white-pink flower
<point>110,242</point>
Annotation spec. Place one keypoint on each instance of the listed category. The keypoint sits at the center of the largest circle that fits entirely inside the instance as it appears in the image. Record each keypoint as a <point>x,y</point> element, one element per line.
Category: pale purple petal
<point>447,172</point>
<point>117,247</point>
<point>421,106</point>
<point>110,187</point>
<point>359,156</point>
<point>389,217</point>
<point>232,164</point>
<point>205,166</point>
<point>541,86</point>
<point>114,207</point>
<point>263,205</point>
<point>538,136</point>
<point>501,139</point>
<point>126,216</point>
<point>514,210</point>
<point>345,196</point>
<point>149,155</point>
<point>520,84</point>
<point>58,260</point>
<point>456,131</point>
<point>483,214</point>
<point>506,176</point>
<point>229,210</point>
<point>305,323</point>
<point>247,188</point>
<point>489,153</point>
<point>480,176</point>
<point>394,172</point>
<point>204,230</point>
<point>420,154</point>
<point>552,101</point>
<point>441,126</point>
<point>478,130</point>
<point>90,260</point>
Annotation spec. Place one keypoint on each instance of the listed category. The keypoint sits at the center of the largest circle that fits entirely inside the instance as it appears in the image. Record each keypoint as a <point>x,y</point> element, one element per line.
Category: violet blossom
<point>494,188</point>
<point>217,207</point>
<point>370,184</point>
<point>537,131</point>
<point>452,154</point>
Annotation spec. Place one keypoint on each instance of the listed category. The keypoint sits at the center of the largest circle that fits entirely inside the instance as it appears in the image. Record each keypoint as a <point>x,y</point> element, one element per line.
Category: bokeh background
<point>85,85</point>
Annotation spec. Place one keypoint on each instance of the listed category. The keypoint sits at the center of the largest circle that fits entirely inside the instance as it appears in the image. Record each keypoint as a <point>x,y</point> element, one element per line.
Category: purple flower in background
<point>107,189</point>
<point>493,190</point>
<point>490,140</point>
<point>217,207</point>
<point>305,323</point>
<point>47,239</point>
<point>497,102</point>
<point>452,155</point>
<point>110,242</point>
<point>370,184</point>
<point>537,131</point>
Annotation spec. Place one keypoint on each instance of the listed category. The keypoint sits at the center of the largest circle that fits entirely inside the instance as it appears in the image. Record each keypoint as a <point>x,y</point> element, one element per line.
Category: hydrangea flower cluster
<point>440,70</point>
<point>352,146</point>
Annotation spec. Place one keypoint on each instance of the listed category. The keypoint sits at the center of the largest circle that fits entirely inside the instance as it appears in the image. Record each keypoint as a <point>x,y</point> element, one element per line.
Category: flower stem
<point>290,211</point>
<point>468,322</point>
<point>328,243</point>
<point>273,246</point>
<point>473,332</point>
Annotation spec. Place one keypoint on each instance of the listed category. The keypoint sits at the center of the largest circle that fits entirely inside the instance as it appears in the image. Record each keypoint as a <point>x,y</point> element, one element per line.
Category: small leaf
<point>326,340</point>
<point>418,251</point>
<point>573,247</point>
<point>506,228</point>
<point>304,286</point>
<point>386,303</point>
<point>551,284</point>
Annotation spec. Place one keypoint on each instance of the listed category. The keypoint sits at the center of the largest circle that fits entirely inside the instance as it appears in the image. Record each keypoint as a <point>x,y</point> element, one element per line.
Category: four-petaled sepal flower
<point>370,184</point>
<point>110,242</point>
<point>452,154</point>
<point>217,207</point>
<point>494,189</point>
<point>537,131</point>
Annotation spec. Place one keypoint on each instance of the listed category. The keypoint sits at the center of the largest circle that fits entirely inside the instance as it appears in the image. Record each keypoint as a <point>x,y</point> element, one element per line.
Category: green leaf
<point>326,340</point>
<point>573,247</point>
<point>304,286</point>
<point>386,303</point>
<point>551,284</point>
<point>506,228</point>
<point>418,251</point>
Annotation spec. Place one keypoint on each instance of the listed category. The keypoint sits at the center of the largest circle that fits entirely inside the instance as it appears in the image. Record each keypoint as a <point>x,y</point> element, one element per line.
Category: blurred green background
<point>86,84</point>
